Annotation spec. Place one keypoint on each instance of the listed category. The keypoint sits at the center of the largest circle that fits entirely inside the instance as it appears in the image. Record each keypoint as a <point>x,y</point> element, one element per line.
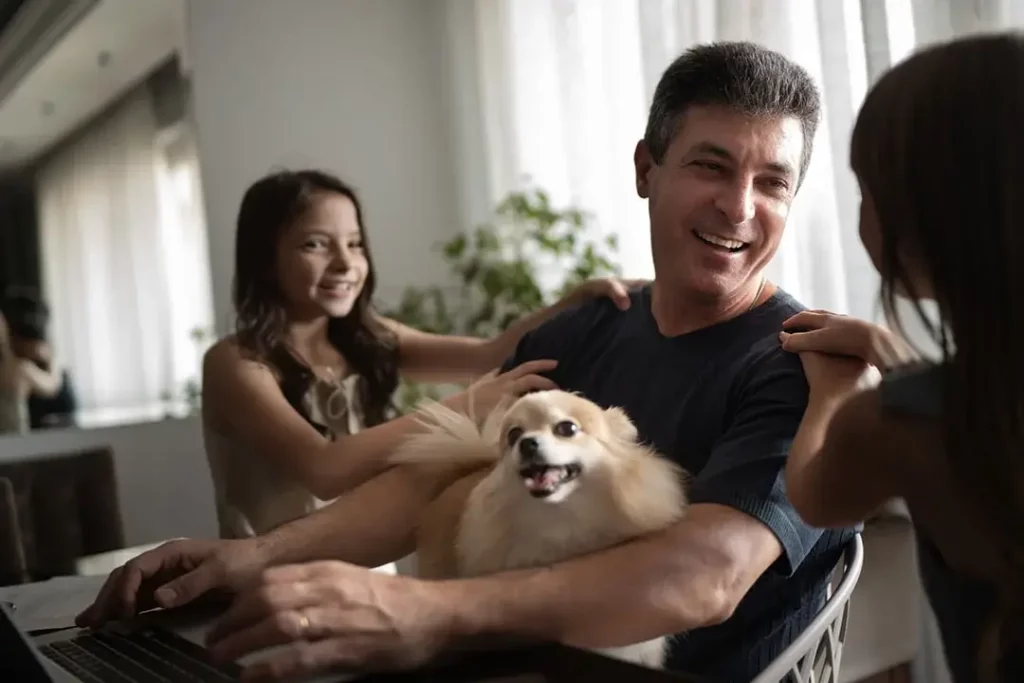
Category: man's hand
<point>332,614</point>
<point>174,574</point>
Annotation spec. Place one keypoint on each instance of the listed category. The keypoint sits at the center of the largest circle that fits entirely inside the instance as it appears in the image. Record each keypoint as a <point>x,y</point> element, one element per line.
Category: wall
<point>358,87</point>
<point>163,481</point>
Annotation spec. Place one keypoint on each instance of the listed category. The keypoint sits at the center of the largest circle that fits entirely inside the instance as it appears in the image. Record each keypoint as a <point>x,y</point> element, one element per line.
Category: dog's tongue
<point>544,479</point>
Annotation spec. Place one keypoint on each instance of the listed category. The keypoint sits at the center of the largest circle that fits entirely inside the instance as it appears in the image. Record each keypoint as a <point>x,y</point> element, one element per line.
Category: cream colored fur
<point>488,521</point>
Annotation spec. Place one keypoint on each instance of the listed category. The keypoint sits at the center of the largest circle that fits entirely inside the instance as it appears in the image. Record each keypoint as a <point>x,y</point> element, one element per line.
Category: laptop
<point>165,646</point>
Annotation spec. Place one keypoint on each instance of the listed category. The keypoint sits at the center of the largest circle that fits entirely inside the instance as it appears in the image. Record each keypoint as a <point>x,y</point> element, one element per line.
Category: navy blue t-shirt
<point>724,402</point>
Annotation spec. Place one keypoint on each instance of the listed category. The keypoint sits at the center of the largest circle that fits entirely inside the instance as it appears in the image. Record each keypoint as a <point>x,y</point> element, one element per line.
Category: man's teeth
<point>720,241</point>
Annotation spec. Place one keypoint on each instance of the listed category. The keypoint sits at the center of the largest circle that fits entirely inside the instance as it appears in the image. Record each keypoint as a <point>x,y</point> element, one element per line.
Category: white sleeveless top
<point>253,495</point>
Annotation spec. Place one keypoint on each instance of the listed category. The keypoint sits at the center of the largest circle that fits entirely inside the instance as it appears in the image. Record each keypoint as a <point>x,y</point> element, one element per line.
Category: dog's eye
<point>566,429</point>
<point>513,436</point>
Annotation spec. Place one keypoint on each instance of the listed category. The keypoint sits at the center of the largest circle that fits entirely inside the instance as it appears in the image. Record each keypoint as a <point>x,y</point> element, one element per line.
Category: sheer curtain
<point>117,261</point>
<point>561,90</point>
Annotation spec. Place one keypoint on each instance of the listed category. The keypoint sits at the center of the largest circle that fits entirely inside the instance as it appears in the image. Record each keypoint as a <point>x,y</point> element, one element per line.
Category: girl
<point>20,379</point>
<point>296,405</point>
<point>938,150</point>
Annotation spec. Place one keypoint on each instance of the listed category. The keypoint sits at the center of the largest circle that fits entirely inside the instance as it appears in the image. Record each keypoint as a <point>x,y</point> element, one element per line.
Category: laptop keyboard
<point>141,656</point>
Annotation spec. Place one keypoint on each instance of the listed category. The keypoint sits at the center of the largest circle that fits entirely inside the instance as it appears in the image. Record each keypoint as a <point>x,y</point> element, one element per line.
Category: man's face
<point>719,199</point>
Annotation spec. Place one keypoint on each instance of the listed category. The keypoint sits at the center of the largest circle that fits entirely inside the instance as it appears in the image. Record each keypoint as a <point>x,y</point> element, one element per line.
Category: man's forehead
<point>764,140</point>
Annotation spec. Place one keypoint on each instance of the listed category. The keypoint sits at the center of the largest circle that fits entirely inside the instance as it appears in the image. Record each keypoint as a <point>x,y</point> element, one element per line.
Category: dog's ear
<point>620,424</point>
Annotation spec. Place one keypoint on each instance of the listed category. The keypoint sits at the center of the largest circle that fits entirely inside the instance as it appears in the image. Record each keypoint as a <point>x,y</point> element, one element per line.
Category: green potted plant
<point>530,255</point>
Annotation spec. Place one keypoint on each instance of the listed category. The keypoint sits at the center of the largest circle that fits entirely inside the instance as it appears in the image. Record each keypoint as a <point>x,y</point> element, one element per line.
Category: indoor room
<point>493,148</point>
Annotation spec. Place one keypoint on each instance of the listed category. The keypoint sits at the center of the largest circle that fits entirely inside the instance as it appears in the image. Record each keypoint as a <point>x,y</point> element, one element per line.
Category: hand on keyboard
<point>174,574</point>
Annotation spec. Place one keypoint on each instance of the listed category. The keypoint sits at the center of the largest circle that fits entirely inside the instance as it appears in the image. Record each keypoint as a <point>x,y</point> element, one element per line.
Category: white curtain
<point>112,223</point>
<point>561,90</point>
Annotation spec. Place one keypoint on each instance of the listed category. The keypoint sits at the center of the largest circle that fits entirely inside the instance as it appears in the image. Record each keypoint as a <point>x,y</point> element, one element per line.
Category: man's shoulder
<point>762,358</point>
<point>561,334</point>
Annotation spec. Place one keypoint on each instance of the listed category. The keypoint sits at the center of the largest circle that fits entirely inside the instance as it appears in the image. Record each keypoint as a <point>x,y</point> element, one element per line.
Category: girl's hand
<point>614,288</point>
<point>841,335</point>
<point>489,391</point>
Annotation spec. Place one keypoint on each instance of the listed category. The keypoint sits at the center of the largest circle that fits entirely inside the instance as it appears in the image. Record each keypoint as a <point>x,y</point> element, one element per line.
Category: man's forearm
<point>372,525</point>
<point>627,594</point>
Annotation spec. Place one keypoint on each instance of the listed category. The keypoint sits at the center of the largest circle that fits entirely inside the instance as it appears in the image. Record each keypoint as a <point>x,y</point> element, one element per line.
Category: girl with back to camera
<point>19,380</point>
<point>296,403</point>
<point>938,150</point>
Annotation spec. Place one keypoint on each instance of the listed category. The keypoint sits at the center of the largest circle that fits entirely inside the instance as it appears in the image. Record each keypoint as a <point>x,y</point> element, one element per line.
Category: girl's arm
<point>40,382</point>
<point>242,397</point>
<point>430,357</point>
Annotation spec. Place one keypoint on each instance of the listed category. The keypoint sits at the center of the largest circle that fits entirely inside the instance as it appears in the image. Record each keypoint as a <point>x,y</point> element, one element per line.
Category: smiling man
<point>695,361</point>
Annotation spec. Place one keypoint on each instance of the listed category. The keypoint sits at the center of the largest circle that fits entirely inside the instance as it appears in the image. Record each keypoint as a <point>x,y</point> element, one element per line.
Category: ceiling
<point>115,45</point>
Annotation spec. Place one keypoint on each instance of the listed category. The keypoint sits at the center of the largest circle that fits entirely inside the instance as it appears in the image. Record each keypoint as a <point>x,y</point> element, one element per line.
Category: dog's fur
<point>503,516</point>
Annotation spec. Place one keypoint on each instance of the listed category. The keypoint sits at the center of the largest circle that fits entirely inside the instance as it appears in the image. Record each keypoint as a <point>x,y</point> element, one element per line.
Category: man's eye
<point>513,436</point>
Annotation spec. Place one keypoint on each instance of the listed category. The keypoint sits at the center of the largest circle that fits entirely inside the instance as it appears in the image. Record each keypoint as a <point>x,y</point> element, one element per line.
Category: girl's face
<point>871,238</point>
<point>321,265</point>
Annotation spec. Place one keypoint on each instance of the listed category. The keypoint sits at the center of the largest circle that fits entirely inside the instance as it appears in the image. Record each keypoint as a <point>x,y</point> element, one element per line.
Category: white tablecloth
<point>53,603</point>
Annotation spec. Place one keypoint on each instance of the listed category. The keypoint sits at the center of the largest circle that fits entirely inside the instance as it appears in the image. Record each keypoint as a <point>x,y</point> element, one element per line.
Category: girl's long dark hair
<point>270,206</point>
<point>939,146</point>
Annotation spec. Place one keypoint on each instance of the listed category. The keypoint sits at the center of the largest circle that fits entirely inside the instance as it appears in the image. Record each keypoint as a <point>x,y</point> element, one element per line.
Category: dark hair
<point>27,314</point>
<point>742,76</point>
<point>270,206</point>
<point>939,147</point>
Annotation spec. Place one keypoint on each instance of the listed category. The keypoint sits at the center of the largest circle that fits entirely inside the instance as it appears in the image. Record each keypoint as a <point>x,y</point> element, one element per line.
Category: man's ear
<point>643,163</point>
<point>619,424</point>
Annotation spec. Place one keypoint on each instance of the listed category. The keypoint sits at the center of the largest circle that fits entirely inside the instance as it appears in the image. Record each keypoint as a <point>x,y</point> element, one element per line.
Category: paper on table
<point>51,604</point>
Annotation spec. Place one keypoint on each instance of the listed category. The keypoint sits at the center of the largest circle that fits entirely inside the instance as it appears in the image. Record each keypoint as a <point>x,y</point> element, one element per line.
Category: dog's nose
<point>529,449</point>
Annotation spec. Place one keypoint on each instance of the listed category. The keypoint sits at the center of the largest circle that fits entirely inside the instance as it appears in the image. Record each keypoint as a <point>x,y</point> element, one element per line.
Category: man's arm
<point>689,576</point>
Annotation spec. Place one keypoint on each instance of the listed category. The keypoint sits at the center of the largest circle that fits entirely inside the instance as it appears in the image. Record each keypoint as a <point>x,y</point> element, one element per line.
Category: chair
<point>13,568</point>
<point>814,657</point>
<point>63,507</point>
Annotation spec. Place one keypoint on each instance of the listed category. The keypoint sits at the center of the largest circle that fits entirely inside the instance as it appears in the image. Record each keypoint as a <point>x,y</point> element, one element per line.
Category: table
<point>54,603</point>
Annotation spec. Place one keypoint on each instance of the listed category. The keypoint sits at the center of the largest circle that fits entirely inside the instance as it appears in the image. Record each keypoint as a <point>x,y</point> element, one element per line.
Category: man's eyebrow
<point>714,150</point>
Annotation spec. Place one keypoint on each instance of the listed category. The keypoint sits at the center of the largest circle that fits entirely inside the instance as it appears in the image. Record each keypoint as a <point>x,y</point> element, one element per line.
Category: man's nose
<point>736,202</point>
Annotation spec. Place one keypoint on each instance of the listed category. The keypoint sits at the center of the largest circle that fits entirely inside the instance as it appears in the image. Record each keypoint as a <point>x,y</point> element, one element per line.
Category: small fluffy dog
<point>558,477</point>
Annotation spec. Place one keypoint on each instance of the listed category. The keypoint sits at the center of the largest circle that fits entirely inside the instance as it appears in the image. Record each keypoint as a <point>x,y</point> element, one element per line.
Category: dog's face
<point>555,440</point>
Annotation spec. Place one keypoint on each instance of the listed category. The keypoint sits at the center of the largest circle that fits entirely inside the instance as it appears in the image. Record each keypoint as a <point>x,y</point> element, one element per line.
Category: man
<point>695,361</point>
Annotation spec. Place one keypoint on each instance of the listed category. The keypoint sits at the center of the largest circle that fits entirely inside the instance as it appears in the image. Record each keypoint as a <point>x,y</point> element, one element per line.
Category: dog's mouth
<point>543,480</point>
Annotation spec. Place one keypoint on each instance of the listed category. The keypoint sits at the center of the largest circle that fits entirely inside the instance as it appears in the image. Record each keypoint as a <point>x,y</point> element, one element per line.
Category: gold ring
<point>303,624</point>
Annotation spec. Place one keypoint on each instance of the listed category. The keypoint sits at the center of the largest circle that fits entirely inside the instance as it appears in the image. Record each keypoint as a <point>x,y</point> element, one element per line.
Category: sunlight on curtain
<point>123,257</point>
<point>565,86</point>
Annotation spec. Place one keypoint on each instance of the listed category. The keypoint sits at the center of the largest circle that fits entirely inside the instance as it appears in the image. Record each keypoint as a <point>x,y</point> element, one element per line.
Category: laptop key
<point>127,666</point>
<point>188,656</point>
<point>81,665</point>
<point>127,646</point>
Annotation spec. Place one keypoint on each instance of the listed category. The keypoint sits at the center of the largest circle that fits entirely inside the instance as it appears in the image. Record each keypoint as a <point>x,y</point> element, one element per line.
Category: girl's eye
<point>513,436</point>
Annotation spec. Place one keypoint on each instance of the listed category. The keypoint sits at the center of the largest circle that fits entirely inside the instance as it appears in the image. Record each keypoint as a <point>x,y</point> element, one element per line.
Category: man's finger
<point>187,588</point>
<point>280,628</point>
<point>101,608</point>
<point>253,607</point>
<point>302,659</point>
<point>306,571</point>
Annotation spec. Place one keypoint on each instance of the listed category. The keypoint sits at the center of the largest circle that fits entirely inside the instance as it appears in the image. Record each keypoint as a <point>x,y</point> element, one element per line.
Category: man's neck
<point>677,314</point>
